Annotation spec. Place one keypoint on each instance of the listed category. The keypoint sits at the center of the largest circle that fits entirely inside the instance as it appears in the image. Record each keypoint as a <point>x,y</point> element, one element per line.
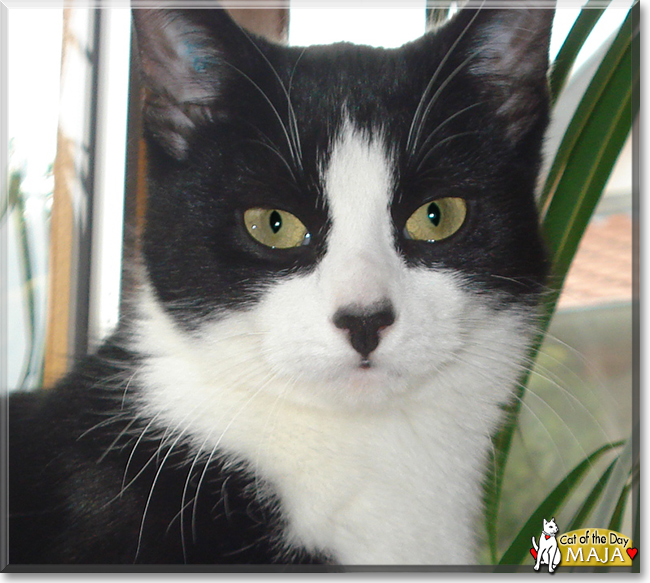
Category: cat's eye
<point>276,228</point>
<point>436,220</point>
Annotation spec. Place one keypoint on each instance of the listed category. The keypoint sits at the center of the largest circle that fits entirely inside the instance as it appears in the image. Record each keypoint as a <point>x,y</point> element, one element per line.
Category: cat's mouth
<point>365,363</point>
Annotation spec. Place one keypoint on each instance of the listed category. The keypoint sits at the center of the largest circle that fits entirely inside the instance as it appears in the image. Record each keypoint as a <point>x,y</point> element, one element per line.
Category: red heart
<point>632,552</point>
<point>548,536</point>
<point>534,553</point>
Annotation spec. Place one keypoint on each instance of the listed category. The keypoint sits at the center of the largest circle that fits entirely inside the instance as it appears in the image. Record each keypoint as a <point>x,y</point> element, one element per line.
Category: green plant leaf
<point>620,478</point>
<point>550,506</point>
<point>581,29</point>
<point>617,517</point>
<point>583,163</point>
<point>578,521</point>
<point>583,116</point>
<point>588,167</point>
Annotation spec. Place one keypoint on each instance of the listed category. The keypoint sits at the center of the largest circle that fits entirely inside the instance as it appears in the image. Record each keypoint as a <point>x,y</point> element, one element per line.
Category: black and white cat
<point>341,271</point>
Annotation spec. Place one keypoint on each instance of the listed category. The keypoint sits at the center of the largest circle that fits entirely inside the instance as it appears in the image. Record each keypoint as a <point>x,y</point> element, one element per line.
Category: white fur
<point>375,466</point>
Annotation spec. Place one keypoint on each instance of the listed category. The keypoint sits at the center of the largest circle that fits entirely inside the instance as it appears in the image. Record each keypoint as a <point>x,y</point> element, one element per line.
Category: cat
<point>339,286</point>
<point>547,553</point>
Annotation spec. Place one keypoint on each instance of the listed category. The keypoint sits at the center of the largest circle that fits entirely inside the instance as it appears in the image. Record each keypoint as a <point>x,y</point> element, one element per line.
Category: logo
<point>587,547</point>
<point>593,547</point>
<point>547,551</point>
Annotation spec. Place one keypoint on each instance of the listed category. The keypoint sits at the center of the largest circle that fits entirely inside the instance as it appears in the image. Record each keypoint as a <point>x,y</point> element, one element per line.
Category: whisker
<point>273,109</point>
<point>114,418</point>
<point>278,154</point>
<point>266,432</point>
<point>216,446</point>
<point>573,399</point>
<point>126,388</point>
<point>293,124</point>
<point>150,496</point>
<point>187,504</point>
<point>116,440</point>
<point>439,92</point>
<point>476,370</point>
<point>128,462</point>
<point>441,143</point>
<point>447,120</point>
<point>417,123</point>
<point>295,67</point>
<point>533,366</point>
<point>583,360</point>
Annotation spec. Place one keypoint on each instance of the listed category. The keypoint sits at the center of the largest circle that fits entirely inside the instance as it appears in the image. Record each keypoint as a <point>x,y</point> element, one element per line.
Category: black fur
<point>201,233</point>
<point>78,485</point>
<point>78,493</point>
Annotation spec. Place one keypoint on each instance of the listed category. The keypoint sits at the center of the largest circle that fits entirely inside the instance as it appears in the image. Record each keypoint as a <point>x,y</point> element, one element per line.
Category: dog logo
<point>547,552</point>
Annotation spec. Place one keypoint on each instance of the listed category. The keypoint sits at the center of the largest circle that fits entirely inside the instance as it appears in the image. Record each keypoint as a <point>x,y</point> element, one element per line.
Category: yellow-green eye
<point>436,220</point>
<point>275,228</point>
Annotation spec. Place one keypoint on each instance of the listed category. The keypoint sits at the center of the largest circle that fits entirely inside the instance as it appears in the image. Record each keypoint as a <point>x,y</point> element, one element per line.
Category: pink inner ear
<point>514,44</point>
<point>512,59</point>
<point>180,73</point>
<point>178,57</point>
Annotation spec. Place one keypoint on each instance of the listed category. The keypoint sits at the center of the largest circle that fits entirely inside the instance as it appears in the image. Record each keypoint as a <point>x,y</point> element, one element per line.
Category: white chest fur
<point>375,488</point>
<point>394,483</point>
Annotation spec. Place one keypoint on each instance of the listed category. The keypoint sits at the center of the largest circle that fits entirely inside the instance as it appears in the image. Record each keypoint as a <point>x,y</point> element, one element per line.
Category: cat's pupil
<point>275,221</point>
<point>433,212</point>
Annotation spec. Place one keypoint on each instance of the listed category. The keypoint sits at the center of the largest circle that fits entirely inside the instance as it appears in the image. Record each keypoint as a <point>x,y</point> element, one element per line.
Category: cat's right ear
<point>508,51</point>
<point>183,71</point>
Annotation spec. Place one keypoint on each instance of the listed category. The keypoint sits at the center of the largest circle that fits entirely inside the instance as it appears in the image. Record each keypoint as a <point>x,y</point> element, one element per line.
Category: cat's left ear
<point>511,48</point>
<point>184,69</point>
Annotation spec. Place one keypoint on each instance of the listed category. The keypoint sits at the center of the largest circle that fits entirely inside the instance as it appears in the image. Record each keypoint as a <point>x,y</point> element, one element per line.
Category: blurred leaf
<point>13,192</point>
<point>617,517</point>
<point>621,473</point>
<point>17,203</point>
<point>437,13</point>
<point>578,520</point>
<point>518,550</point>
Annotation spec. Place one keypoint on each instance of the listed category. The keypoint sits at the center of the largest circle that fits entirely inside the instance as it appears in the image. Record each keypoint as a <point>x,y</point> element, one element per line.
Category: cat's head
<point>353,219</point>
<point>550,527</point>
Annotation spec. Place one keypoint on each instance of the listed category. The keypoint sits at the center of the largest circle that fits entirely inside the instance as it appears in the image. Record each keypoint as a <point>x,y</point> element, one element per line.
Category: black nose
<point>364,325</point>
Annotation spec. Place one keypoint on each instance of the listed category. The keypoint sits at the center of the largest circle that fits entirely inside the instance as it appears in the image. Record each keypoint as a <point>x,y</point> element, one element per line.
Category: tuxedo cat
<point>341,269</point>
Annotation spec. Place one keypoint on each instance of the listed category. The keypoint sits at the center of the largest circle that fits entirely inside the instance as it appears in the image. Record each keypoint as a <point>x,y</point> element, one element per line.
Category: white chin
<point>373,377</point>
<point>351,385</point>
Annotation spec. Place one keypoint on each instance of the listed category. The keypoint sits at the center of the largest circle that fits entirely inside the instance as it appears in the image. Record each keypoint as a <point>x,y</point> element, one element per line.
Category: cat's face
<point>356,221</point>
<point>550,527</point>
